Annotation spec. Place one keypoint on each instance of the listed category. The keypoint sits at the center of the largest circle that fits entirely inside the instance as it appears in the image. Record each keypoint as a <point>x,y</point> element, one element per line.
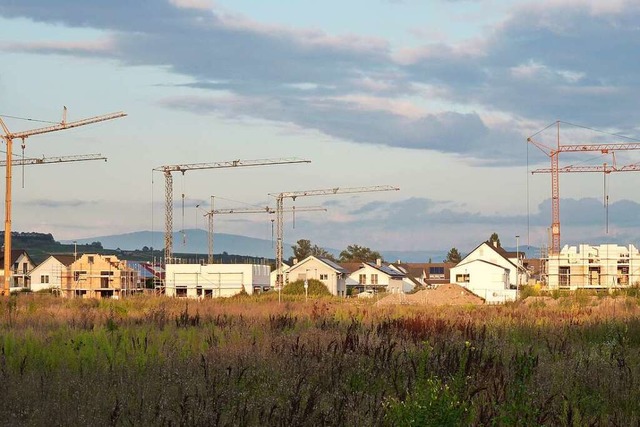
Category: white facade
<point>273,277</point>
<point>485,279</point>
<point>370,277</point>
<point>487,252</point>
<point>48,275</point>
<point>332,275</point>
<point>605,266</point>
<point>214,280</point>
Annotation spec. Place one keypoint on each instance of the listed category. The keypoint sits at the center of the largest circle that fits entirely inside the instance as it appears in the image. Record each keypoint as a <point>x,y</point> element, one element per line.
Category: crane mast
<point>555,170</point>
<point>8,137</point>
<point>168,170</point>
<point>294,195</point>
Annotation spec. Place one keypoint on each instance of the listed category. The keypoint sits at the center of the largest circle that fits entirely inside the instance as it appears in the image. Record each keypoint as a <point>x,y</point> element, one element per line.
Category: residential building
<point>606,266</point>
<point>322,269</point>
<point>51,273</point>
<point>214,280</point>
<point>21,266</point>
<point>429,274</point>
<point>99,276</point>
<point>490,272</point>
<point>379,276</point>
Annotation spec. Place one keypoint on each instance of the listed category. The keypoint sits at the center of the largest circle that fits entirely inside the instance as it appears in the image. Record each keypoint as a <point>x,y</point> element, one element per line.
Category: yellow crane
<point>294,195</point>
<point>8,138</point>
<point>167,170</point>
<point>266,209</point>
<point>57,159</point>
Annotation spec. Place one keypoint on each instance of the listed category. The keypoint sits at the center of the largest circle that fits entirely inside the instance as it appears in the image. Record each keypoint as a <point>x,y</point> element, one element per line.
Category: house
<point>379,276</point>
<point>273,276</point>
<point>148,274</point>
<point>214,280</point>
<point>99,276</point>
<point>51,272</point>
<point>429,274</point>
<point>606,266</point>
<point>21,266</point>
<point>322,269</point>
<point>490,272</point>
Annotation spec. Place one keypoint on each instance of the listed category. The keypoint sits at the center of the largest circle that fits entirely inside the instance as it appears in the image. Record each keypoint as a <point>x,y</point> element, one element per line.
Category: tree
<point>453,256</point>
<point>495,239</point>
<point>303,248</point>
<point>356,253</point>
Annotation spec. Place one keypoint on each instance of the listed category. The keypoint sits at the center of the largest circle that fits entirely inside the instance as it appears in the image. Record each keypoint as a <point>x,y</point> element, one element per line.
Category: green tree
<point>356,253</point>
<point>453,256</point>
<point>495,239</point>
<point>303,248</point>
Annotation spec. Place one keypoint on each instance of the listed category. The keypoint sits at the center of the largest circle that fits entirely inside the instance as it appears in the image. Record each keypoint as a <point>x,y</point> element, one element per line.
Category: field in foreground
<point>252,361</point>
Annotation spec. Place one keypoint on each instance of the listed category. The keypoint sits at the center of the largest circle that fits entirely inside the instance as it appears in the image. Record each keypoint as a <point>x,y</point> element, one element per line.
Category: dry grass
<point>252,361</point>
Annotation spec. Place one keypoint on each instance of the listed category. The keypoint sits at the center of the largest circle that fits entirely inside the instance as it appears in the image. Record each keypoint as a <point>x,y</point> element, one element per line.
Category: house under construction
<point>606,266</point>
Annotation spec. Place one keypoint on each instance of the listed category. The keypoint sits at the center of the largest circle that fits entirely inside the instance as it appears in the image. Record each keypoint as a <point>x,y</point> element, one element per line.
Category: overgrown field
<point>252,361</point>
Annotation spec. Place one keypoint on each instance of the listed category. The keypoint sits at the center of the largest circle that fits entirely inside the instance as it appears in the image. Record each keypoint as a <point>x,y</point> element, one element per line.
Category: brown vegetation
<point>252,361</point>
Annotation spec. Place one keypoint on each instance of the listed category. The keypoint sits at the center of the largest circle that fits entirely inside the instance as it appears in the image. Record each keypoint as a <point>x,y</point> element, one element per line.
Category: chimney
<point>295,261</point>
<point>495,244</point>
<point>379,262</point>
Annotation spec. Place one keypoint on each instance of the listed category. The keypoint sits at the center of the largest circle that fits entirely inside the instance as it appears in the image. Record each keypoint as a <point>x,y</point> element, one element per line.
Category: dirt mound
<point>449,294</point>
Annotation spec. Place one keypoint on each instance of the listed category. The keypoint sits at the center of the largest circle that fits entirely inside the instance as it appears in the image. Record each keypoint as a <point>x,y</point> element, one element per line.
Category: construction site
<point>604,266</point>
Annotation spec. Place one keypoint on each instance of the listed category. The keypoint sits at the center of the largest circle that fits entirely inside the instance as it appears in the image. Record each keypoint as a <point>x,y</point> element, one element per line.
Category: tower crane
<point>555,170</point>
<point>8,138</point>
<point>57,159</point>
<point>266,209</point>
<point>294,195</point>
<point>167,170</point>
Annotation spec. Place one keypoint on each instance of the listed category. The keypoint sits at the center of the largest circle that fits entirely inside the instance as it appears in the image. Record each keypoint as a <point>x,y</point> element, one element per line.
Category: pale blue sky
<point>436,97</point>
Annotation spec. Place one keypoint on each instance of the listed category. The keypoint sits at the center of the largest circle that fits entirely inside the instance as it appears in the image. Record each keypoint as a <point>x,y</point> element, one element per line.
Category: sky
<point>435,97</point>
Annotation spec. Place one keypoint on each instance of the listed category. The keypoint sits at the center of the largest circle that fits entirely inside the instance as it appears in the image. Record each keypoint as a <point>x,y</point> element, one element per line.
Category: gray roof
<point>334,265</point>
<point>386,269</point>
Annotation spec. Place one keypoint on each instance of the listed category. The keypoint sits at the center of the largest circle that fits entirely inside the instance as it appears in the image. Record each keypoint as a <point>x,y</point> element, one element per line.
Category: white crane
<point>245,210</point>
<point>167,170</point>
<point>294,195</point>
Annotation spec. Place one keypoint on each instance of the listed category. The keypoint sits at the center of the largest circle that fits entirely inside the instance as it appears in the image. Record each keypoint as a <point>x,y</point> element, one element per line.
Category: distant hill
<point>196,241</point>
<point>192,241</point>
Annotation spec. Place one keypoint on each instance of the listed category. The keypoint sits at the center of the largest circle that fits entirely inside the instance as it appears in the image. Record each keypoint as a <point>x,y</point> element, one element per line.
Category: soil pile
<point>448,294</point>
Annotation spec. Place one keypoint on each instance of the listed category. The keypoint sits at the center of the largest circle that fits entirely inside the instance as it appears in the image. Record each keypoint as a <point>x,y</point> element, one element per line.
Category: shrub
<point>316,288</point>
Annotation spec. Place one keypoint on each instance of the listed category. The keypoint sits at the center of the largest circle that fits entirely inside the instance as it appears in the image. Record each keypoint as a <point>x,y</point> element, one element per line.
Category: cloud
<point>55,204</point>
<point>566,59</point>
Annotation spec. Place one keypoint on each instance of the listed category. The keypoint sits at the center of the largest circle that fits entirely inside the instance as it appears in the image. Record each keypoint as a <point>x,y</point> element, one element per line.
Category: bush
<point>316,288</point>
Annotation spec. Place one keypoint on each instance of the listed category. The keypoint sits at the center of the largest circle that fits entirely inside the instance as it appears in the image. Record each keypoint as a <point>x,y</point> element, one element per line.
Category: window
<point>77,274</point>
<point>90,259</point>
<point>324,277</point>
<point>181,292</point>
<point>436,272</point>
<point>564,276</point>
<point>462,278</point>
<point>374,279</point>
<point>44,279</point>
<point>24,267</point>
<point>362,279</point>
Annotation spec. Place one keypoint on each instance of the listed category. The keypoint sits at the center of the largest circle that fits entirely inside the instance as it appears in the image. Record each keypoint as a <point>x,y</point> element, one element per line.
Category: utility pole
<point>168,170</point>
<point>294,195</point>
<point>8,137</point>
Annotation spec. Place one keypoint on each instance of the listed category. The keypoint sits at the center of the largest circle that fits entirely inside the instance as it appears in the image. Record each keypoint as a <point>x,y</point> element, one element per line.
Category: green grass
<point>251,361</point>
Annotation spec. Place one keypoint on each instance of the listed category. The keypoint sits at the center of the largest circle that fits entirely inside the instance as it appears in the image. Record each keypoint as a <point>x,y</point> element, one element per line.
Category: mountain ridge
<point>196,241</point>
